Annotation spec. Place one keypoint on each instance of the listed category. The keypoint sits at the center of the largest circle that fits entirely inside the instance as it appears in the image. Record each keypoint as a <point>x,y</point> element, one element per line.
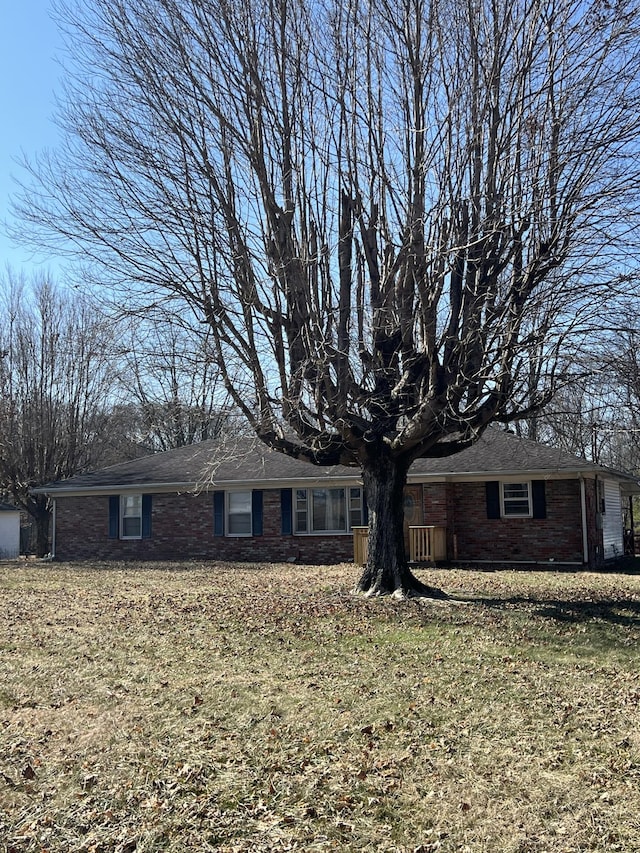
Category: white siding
<point>9,535</point>
<point>612,532</point>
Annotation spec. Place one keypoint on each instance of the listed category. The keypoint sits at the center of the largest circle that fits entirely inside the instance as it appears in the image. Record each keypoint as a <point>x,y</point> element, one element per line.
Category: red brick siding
<point>435,497</point>
<point>438,510</point>
<point>182,529</point>
<point>558,537</point>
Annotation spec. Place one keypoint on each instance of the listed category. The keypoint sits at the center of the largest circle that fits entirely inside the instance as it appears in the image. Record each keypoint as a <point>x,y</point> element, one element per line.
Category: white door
<point>612,531</point>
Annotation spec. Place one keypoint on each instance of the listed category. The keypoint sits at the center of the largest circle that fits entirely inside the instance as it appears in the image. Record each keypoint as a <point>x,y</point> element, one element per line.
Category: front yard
<point>264,708</point>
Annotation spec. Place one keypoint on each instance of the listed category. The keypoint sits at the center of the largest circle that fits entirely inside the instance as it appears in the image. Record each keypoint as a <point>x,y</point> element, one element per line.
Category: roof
<point>245,460</point>
<point>8,508</point>
<point>502,452</point>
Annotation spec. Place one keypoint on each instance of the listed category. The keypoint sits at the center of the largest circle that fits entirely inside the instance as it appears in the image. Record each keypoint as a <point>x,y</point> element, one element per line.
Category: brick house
<point>506,500</point>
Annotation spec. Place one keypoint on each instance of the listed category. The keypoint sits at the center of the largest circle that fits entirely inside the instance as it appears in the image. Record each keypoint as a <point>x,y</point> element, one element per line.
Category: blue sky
<point>29,76</point>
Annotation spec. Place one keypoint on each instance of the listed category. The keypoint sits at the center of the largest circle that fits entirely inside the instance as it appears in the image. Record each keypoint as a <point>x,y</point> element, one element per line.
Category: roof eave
<point>159,487</point>
<point>318,479</point>
<point>529,473</point>
<point>109,489</point>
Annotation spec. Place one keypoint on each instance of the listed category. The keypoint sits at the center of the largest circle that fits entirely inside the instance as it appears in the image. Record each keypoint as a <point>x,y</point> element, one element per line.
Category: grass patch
<point>264,708</point>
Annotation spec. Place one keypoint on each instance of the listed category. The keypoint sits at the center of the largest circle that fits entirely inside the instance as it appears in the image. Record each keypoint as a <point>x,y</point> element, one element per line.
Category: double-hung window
<point>516,500</point>
<point>356,507</point>
<point>239,514</point>
<point>300,511</point>
<point>131,516</point>
<point>327,510</point>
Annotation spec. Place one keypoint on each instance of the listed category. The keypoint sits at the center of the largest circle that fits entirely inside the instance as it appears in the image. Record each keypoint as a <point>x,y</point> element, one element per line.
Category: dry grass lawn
<point>264,708</point>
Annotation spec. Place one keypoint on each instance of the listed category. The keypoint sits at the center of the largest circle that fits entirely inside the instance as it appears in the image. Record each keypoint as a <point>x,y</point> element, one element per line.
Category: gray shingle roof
<point>246,460</point>
<point>205,464</point>
<point>501,452</point>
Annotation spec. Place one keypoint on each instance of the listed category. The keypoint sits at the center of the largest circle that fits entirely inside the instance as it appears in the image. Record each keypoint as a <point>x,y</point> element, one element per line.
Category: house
<point>504,500</point>
<point>9,531</point>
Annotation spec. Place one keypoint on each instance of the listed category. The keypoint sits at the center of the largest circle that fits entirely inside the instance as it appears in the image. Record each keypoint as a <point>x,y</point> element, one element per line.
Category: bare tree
<point>596,414</point>
<point>573,420</point>
<point>622,367</point>
<point>54,384</point>
<point>394,217</point>
<point>172,386</point>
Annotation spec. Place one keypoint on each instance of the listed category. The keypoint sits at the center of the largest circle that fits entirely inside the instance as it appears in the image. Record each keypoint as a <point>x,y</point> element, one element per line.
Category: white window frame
<point>230,511</point>
<point>126,513</point>
<point>506,500</point>
<point>303,515</point>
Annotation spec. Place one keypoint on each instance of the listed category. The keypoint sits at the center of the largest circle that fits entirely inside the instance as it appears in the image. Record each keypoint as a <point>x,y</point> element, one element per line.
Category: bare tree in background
<point>55,378</point>
<point>599,418</point>
<point>394,217</point>
<point>623,415</point>
<point>172,386</point>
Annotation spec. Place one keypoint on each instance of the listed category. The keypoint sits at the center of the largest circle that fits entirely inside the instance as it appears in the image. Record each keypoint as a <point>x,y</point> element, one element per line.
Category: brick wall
<point>435,499</point>
<point>182,529</point>
<point>437,502</point>
<point>557,538</point>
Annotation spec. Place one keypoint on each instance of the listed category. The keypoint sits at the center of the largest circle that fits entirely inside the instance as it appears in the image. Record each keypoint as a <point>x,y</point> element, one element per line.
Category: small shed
<point>9,532</point>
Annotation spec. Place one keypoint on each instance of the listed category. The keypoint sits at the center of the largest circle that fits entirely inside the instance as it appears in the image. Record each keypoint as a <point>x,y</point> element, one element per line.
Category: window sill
<point>325,533</point>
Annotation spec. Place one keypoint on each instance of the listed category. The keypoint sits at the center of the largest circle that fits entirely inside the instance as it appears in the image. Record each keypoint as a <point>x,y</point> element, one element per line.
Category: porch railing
<point>427,544</point>
<point>360,550</point>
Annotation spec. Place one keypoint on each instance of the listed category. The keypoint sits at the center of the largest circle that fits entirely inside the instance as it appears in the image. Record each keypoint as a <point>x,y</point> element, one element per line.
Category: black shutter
<point>365,509</point>
<point>218,513</point>
<point>146,516</point>
<point>539,500</point>
<point>493,498</point>
<point>286,511</point>
<point>256,512</point>
<point>114,516</point>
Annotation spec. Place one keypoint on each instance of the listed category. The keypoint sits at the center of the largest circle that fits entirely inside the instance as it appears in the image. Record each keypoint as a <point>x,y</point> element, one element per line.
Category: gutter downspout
<point>53,530</point>
<point>585,535</point>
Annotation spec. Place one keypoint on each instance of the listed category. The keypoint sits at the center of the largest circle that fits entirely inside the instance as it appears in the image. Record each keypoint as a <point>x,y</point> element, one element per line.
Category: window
<point>516,500</point>
<point>239,514</point>
<point>355,507</point>
<point>326,510</point>
<point>301,511</point>
<point>131,517</point>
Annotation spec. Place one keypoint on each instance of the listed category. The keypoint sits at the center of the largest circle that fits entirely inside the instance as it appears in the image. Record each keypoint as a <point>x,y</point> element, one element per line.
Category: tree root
<point>410,588</point>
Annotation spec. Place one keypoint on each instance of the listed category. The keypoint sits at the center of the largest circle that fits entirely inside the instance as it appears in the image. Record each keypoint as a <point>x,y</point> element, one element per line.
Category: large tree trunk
<point>387,571</point>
